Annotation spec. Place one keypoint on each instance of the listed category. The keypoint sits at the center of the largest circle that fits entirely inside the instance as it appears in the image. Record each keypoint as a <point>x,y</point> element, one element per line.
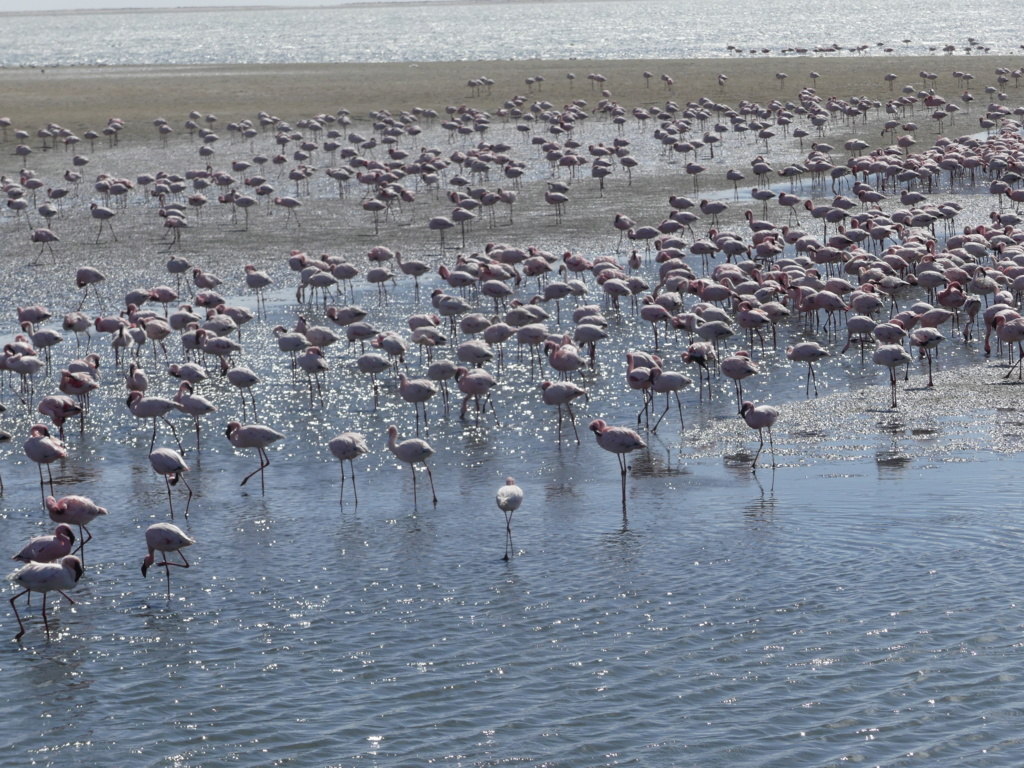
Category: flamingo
<point>412,451</point>
<point>760,417</point>
<point>807,352</point>
<point>43,449</point>
<point>46,549</point>
<point>617,440</point>
<point>142,407</point>
<point>669,383</point>
<point>46,577</point>
<point>243,379</point>
<point>166,538</point>
<point>172,466</point>
<point>103,215</point>
<point>75,510</point>
<point>927,339</point>
<point>509,498</point>
<point>417,392</point>
<point>348,446</point>
<point>892,356</point>
<point>738,367</point>
<point>255,436</point>
<point>561,393</point>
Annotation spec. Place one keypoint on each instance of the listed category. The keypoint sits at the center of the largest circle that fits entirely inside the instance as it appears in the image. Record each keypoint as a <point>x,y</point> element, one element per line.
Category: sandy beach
<point>82,98</point>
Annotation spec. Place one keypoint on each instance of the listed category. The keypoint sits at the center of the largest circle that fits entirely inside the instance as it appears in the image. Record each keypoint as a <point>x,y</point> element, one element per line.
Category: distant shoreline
<point>218,8</point>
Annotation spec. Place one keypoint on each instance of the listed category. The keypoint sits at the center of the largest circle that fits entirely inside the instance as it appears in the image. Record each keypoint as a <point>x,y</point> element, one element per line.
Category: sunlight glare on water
<point>649,29</point>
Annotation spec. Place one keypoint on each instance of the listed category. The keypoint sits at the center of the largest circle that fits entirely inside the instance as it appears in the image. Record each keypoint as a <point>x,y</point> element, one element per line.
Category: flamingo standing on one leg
<point>166,537</point>
<point>413,451</point>
<point>46,577</point>
<point>348,446</point>
<point>255,436</point>
<point>617,440</point>
<point>509,497</point>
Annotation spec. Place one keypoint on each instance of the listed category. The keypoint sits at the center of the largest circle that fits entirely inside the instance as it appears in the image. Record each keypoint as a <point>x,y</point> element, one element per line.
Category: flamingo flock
<point>895,263</point>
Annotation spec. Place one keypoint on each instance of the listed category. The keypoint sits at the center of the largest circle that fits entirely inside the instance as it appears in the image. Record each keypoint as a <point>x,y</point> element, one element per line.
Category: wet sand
<point>86,97</point>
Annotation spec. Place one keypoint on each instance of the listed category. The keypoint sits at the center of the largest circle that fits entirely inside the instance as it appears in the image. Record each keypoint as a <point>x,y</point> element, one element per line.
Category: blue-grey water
<point>649,29</point>
<point>858,604</point>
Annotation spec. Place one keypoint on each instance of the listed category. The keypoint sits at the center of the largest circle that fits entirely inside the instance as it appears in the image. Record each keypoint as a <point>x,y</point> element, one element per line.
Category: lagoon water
<point>861,603</point>
<point>387,32</point>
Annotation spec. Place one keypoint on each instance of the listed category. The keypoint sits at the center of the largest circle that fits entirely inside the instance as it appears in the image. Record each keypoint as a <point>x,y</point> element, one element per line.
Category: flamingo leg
<point>572,420</point>
<point>170,503</point>
<point>431,476</point>
<point>189,501</point>
<point>21,626</point>
<point>760,447</point>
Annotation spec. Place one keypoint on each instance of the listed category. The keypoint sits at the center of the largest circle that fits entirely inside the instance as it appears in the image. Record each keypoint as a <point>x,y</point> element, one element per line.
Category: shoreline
<point>273,7</point>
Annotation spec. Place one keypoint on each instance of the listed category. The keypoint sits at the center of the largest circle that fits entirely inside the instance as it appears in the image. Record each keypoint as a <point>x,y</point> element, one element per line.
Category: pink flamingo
<point>75,510</point>
<point>59,408</point>
<point>892,356</point>
<point>412,451</point>
<point>348,446</point>
<point>760,417</point>
<point>476,384</point>
<point>43,449</point>
<point>617,440</point>
<point>562,393</point>
<point>669,383</point>
<point>154,408</point>
<point>807,352</point>
<point>165,538</point>
<point>46,549</point>
<point>255,436</point>
<point>171,466</point>
<point>927,339</point>
<point>509,498</point>
<point>46,577</point>
<point>738,367</point>
<point>417,392</point>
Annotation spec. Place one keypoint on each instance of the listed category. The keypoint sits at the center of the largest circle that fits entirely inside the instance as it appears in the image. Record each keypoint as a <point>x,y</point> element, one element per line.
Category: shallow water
<point>640,29</point>
<point>857,603</point>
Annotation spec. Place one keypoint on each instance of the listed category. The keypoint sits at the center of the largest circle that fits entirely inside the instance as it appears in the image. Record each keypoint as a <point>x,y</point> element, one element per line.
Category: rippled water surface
<point>655,29</point>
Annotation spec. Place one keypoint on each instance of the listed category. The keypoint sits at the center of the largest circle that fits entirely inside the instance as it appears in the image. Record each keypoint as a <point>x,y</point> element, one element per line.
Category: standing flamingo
<point>561,393</point>
<point>142,407</point>
<point>760,417</point>
<point>617,440</point>
<point>46,577</point>
<point>255,436</point>
<point>44,449</point>
<point>348,446</point>
<point>807,352</point>
<point>413,451</point>
<point>75,510</point>
<point>892,356</point>
<point>165,538</point>
<point>172,466</point>
<point>509,498</point>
